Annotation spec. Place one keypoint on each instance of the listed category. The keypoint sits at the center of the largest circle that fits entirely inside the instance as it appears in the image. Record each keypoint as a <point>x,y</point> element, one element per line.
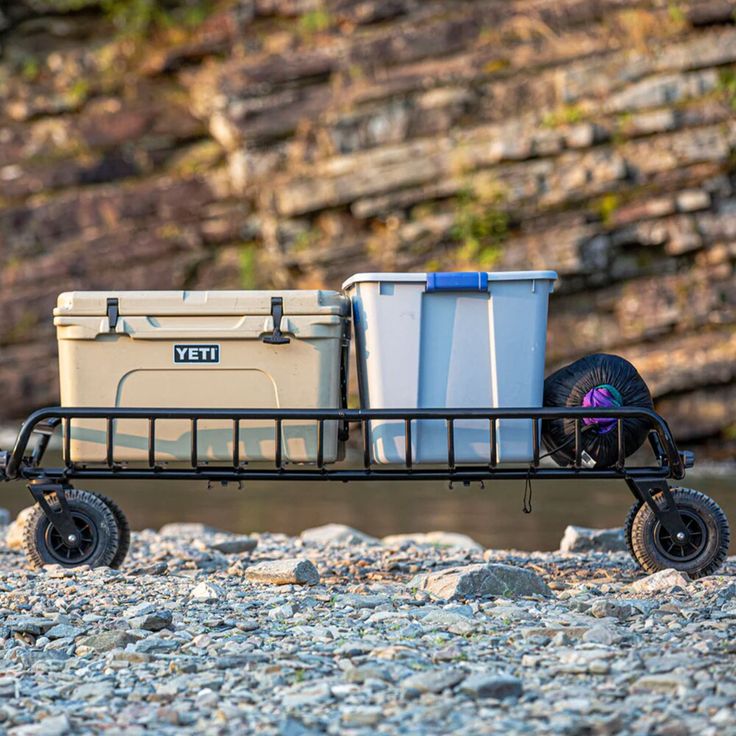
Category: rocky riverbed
<point>337,632</point>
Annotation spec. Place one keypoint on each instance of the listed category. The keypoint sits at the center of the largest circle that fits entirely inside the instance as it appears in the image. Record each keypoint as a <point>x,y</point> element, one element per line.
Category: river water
<point>493,516</point>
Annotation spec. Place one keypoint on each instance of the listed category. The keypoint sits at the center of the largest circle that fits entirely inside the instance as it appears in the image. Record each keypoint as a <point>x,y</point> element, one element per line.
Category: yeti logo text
<point>197,354</point>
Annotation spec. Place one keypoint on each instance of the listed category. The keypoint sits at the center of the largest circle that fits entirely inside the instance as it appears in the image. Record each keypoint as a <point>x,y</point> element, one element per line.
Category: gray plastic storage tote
<point>451,340</point>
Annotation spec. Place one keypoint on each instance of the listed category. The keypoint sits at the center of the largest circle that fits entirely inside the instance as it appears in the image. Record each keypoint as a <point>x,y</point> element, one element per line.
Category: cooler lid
<point>473,280</point>
<point>199,303</point>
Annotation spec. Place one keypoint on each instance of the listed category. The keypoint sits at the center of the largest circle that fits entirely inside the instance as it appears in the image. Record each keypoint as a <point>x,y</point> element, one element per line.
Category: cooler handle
<point>459,281</point>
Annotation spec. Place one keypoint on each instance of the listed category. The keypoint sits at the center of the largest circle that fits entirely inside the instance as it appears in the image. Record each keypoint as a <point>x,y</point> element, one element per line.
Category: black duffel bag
<point>598,380</point>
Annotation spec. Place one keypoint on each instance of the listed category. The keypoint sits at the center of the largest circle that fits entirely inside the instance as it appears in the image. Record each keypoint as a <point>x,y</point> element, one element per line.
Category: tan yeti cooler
<point>202,350</point>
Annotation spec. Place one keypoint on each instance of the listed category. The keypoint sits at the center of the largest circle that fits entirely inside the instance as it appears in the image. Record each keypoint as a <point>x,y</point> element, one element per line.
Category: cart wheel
<point>633,511</point>
<point>654,549</point>
<point>123,530</point>
<point>97,527</point>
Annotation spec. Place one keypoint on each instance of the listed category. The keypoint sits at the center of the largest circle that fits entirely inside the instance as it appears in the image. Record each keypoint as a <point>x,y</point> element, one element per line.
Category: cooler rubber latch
<point>113,313</point>
<point>461,281</point>
<point>277,313</point>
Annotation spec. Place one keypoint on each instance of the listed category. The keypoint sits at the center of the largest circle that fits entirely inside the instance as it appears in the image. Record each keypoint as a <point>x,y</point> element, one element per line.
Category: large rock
<point>64,631</point>
<point>105,641</point>
<point>492,685</point>
<point>432,681</point>
<point>336,534</point>
<point>582,539</point>
<point>306,695</point>
<point>607,608</point>
<point>235,545</point>
<point>455,623</point>
<point>661,582</point>
<point>34,625</point>
<point>478,581</point>
<point>284,572</point>
<point>14,533</point>
<point>207,593</point>
<point>49,726</point>
<point>148,616</point>
<point>602,634</point>
<point>4,517</point>
<point>666,682</point>
<point>437,539</point>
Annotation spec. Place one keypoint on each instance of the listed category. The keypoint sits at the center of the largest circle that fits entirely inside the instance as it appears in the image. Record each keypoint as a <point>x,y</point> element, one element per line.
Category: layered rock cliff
<point>152,144</point>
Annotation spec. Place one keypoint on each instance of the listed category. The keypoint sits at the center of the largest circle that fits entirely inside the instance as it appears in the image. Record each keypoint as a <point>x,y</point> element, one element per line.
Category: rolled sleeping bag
<point>595,380</point>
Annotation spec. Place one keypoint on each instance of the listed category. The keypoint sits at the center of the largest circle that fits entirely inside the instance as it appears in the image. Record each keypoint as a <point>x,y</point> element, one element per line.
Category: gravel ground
<point>192,635</point>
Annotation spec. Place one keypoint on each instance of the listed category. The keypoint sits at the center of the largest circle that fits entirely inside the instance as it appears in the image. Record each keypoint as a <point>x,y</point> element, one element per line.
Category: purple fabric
<point>603,396</point>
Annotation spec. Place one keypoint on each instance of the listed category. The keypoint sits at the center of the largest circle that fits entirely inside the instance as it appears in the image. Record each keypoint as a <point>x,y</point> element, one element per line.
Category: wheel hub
<point>75,548</point>
<point>683,546</point>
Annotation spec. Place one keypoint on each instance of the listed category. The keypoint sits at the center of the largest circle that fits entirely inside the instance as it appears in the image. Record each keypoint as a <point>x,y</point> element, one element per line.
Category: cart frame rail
<point>19,463</point>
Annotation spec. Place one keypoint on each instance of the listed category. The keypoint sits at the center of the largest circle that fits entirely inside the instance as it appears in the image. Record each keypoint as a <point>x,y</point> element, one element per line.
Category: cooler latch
<point>113,313</point>
<point>277,313</point>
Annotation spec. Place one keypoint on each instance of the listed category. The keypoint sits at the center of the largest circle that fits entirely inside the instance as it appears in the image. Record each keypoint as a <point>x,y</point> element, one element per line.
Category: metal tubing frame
<point>671,463</point>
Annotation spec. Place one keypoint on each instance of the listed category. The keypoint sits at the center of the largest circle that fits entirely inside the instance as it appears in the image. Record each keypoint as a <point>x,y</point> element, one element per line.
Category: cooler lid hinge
<point>113,312</point>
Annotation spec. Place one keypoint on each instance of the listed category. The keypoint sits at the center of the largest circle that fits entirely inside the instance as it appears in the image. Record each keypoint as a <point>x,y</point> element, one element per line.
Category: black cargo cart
<point>668,526</point>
